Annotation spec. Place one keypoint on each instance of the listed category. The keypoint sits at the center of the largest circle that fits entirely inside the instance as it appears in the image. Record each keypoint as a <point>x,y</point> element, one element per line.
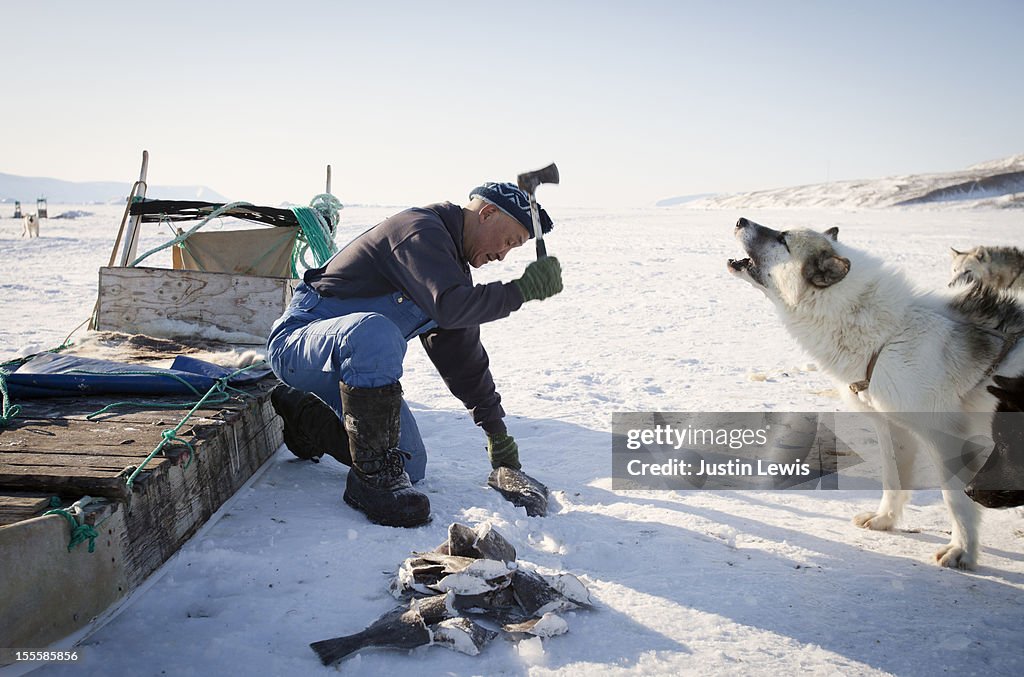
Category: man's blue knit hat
<point>510,199</point>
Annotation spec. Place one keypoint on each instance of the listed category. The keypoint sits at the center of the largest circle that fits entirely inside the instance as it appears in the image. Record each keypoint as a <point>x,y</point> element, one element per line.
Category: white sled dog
<point>995,267</point>
<point>893,350</point>
<point>31,226</point>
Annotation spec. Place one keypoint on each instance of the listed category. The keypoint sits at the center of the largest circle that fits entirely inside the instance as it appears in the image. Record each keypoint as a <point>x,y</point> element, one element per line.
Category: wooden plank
<point>69,456</point>
<point>24,500</point>
<point>71,460</point>
<point>66,482</point>
<point>64,446</point>
<point>62,429</point>
<point>143,300</point>
<point>73,455</point>
<point>84,471</point>
<point>15,507</point>
<point>85,437</point>
<point>75,458</point>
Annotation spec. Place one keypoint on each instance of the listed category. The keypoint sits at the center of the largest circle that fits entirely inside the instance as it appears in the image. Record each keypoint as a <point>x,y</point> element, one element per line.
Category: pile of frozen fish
<point>464,593</point>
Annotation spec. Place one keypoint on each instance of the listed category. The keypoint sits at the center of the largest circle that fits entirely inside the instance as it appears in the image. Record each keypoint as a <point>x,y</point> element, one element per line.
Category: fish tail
<point>333,650</point>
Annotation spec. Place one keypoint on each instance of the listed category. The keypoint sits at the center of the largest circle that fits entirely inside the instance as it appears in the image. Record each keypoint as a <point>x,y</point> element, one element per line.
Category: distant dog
<point>893,350</point>
<point>31,226</point>
<point>995,267</point>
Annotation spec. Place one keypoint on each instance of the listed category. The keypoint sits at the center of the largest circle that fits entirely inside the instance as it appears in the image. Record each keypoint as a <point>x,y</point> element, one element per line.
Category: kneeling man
<point>340,344</point>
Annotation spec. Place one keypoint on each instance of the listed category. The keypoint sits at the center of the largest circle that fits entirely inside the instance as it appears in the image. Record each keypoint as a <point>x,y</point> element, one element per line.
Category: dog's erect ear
<point>955,252</point>
<point>826,270</point>
<point>833,233</point>
<point>981,254</point>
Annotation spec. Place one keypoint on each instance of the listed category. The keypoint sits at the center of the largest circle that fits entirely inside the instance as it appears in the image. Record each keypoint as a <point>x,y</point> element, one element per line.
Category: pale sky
<point>417,102</point>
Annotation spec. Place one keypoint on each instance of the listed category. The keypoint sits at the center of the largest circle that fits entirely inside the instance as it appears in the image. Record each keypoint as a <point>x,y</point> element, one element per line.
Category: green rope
<point>220,388</point>
<point>218,398</point>
<point>8,411</point>
<point>317,224</point>
<point>165,374</point>
<point>328,207</point>
<point>184,245</point>
<point>141,403</point>
<point>170,435</point>
<point>80,531</point>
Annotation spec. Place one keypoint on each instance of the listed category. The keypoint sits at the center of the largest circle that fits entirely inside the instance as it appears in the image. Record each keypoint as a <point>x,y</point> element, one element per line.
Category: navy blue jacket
<point>419,253</point>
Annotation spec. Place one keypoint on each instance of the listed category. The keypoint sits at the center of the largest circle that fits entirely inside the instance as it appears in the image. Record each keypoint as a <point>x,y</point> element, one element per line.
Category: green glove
<point>503,451</point>
<point>541,279</point>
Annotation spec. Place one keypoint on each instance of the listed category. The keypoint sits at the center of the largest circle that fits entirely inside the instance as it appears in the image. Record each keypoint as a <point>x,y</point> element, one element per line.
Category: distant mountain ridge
<point>27,189</point>
<point>994,184</point>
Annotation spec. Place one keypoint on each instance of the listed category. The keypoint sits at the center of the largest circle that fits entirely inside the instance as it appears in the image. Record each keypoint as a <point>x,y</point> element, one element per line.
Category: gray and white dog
<point>995,267</point>
<point>922,360</point>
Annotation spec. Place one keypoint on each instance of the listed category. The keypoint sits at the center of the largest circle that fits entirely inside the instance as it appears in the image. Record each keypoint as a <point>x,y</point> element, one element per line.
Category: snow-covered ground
<point>752,583</point>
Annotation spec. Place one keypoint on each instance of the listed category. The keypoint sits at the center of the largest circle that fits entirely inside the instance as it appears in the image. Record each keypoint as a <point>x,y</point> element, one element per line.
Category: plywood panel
<point>161,302</point>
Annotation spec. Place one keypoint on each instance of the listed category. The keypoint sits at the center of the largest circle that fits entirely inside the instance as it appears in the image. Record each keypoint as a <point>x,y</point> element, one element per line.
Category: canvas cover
<point>266,252</point>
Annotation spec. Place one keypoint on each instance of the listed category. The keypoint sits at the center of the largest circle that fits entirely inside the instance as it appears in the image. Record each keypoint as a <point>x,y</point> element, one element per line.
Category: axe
<point>516,486</point>
<point>528,182</point>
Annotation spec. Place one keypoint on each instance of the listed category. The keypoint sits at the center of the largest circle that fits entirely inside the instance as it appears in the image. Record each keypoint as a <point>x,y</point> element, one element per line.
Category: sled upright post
<point>131,239</point>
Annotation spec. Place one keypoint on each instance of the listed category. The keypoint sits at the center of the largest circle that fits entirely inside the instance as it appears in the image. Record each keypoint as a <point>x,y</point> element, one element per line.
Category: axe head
<point>528,181</point>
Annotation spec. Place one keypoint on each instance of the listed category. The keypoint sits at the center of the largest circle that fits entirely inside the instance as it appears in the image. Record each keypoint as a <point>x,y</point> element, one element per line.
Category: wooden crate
<point>51,449</point>
<point>171,303</point>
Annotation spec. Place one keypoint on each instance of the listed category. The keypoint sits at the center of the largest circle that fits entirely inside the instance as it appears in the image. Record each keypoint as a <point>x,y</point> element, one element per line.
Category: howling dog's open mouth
<point>750,236</point>
<point>739,265</point>
<point>746,268</point>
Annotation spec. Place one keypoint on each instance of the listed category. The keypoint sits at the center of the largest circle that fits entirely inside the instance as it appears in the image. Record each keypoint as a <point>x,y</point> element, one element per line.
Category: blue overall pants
<point>320,341</point>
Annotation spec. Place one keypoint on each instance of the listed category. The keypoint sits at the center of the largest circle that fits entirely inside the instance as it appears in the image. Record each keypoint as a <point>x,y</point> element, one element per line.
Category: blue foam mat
<point>57,375</point>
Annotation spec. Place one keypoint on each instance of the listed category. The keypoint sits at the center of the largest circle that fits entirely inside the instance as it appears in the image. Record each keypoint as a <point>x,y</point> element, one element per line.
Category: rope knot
<point>80,531</point>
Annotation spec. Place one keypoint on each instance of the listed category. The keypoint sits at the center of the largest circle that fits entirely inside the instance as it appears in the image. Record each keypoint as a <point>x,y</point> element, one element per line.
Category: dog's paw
<point>876,521</point>
<point>955,557</point>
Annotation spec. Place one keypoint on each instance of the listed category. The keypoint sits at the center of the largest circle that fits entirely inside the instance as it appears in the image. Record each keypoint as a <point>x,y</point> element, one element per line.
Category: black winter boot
<point>311,428</point>
<point>377,484</point>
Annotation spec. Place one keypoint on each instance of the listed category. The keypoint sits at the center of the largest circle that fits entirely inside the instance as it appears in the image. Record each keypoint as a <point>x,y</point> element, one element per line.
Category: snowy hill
<point>683,199</point>
<point>28,188</point>
<point>995,184</point>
